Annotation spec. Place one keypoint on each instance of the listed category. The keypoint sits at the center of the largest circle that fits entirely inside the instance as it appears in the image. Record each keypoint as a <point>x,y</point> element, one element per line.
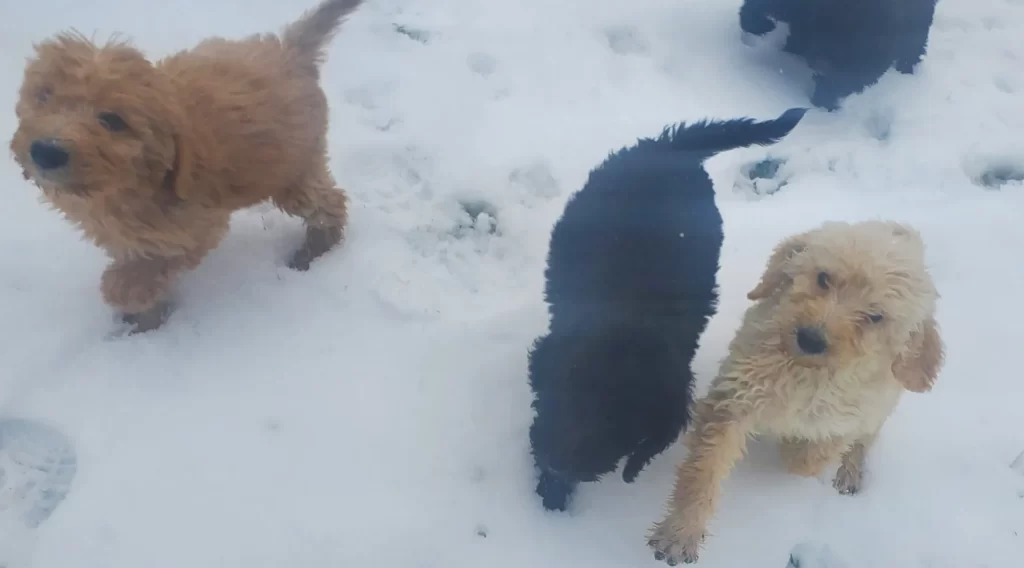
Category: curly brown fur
<point>150,159</point>
<point>844,321</point>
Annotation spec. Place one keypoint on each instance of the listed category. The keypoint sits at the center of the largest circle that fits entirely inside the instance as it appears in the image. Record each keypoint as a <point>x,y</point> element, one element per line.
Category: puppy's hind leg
<point>323,207</point>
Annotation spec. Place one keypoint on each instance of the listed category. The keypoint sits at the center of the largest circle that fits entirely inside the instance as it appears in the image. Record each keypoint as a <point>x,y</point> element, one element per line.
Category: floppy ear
<point>774,276</point>
<point>173,140</point>
<point>180,175</point>
<point>917,367</point>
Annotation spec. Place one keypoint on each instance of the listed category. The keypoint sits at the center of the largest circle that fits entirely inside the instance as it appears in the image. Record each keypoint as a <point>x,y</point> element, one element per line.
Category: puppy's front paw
<point>674,546</point>
<point>134,287</point>
<point>824,99</point>
<point>848,481</point>
<point>141,322</point>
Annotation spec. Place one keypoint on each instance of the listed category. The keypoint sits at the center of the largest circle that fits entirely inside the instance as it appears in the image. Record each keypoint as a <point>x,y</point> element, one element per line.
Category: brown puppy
<point>844,322</point>
<point>150,159</point>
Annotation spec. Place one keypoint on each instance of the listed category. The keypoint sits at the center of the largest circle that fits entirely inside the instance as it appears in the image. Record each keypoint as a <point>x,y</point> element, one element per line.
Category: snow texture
<point>37,467</point>
<point>807,555</point>
<point>373,411</point>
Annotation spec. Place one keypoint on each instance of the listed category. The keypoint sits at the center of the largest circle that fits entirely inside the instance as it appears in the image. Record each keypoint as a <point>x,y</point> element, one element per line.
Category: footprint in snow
<point>1017,464</point>
<point>415,34</point>
<point>810,555</point>
<point>482,64</point>
<point>481,218</point>
<point>537,179</point>
<point>761,178</point>
<point>879,125</point>
<point>999,175</point>
<point>37,466</point>
<point>626,40</point>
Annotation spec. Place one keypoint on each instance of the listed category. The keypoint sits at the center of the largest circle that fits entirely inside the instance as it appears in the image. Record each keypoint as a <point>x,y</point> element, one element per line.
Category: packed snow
<point>374,410</point>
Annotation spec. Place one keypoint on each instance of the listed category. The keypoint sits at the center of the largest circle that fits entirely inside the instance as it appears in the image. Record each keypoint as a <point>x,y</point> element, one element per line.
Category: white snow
<point>373,411</point>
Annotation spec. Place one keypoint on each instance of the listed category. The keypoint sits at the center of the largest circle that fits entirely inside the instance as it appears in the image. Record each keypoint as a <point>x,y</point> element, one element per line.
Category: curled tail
<point>707,138</point>
<point>308,36</point>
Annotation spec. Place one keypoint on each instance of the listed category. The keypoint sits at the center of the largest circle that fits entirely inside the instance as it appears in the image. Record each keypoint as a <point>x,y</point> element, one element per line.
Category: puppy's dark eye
<point>112,122</point>
<point>824,281</point>
<point>874,318</point>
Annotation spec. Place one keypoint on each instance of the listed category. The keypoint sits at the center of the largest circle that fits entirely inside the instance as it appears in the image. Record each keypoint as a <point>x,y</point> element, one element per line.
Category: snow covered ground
<point>373,411</point>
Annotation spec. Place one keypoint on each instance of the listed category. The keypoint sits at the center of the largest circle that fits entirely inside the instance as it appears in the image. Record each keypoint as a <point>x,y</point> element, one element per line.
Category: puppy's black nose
<point>811,340</point>
<point>48,155</point>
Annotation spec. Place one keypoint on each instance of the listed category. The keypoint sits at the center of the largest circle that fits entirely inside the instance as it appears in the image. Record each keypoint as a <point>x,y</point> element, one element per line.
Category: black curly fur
<point>849,44</point>
<point>631,285</point>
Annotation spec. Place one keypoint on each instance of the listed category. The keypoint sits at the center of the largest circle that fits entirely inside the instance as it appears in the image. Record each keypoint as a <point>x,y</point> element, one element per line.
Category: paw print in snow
<point>417,35</point>
<point>626,40</point>
<point>761,178</point>
<point>807,555</point>
<point>37,466</point>
<point>482,64</point>
<point>482,218</point>
<point>997,176</point>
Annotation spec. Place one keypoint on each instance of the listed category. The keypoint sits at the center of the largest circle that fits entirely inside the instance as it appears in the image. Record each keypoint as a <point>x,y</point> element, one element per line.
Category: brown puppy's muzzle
<point>50,162</point>
<point>49,155</point>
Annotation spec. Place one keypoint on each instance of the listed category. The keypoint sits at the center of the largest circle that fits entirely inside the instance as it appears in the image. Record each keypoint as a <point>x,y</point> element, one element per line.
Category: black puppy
<point>848,44</point>
<point>631,285</point>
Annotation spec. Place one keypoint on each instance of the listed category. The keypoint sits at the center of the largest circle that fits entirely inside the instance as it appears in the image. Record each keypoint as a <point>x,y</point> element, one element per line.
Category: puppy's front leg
<point>808,458</point>
<point>716,443</point>
<point>850,475</point>
<point>840,82</point>
<point>138,288</point>
<point>911,40</point>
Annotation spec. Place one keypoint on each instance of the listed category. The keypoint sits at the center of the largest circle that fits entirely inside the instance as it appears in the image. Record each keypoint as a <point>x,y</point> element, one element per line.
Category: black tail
<point>709,137</point>
<point>308,35</point>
